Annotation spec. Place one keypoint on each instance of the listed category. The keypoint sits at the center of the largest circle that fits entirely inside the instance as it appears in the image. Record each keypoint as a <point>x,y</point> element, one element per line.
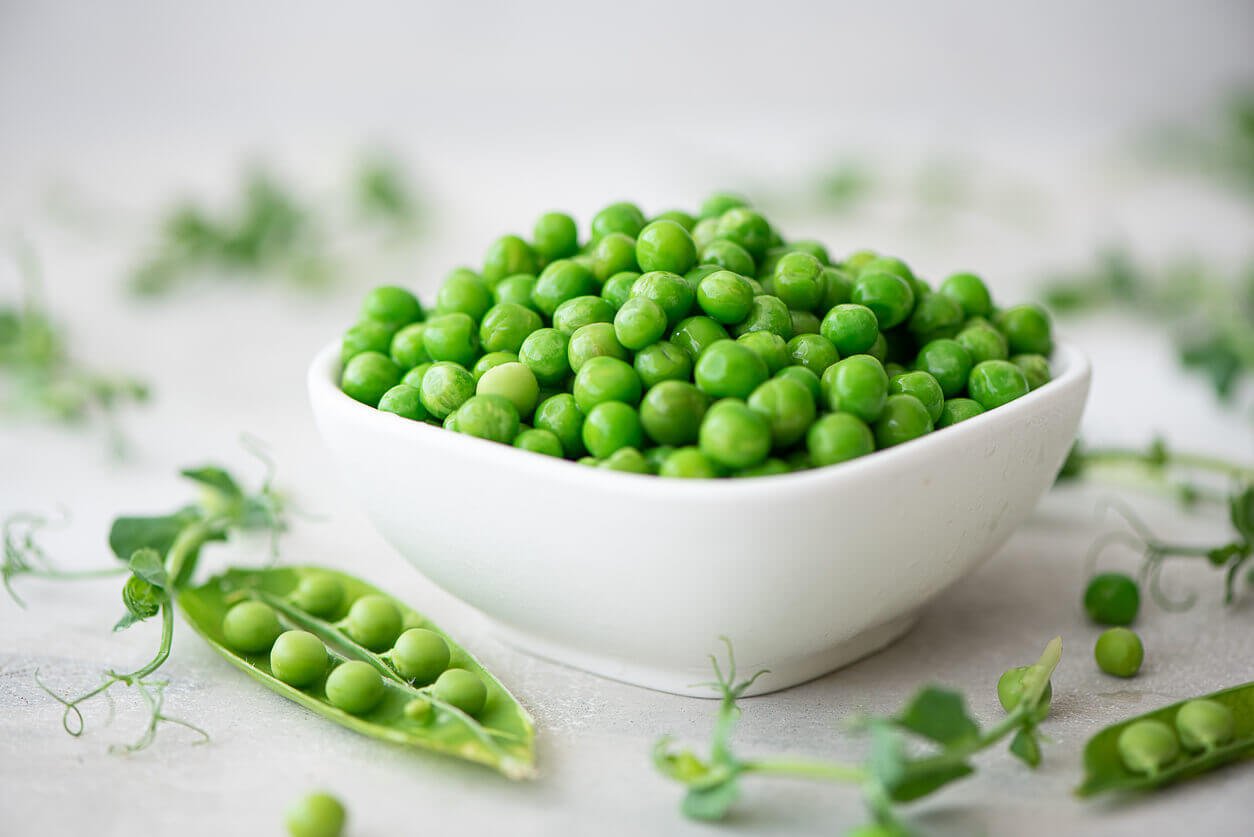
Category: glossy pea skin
<point>970,292</point>
<point>733,435</point>
<point>768,313</point>
<point>813,351</point>
<point>367,336</point>
<point>695,334</point>
<point>462,689</point>
<point>251,627</point>
<point>1147,746</point>
<point>804,322</point>
<point>617,289</point>
<point>559,281</point>
<point>788,408</point>
<point>490,361</point>
<point>948,362</point>
<point>798,281</point>
<point>623,217</point>
<point>539,441</point>
<point>609,426</point>
<point>837,288</point>
<point>678,216</point>
<point>373,621</point>
<point>316,815</point>
<point>747,228</point>
<point>806,378</point>
<point>318,595</point>
<point>367,376</point>
<point>544,352</point>
<point>728,255</point>
<point>983,343</point>
<point>662,361</point>
<point>958,409</point>
<point>904,418</point>
<point>627,461</point>
<point>1119,652</point>
<point>1010,692</point>
<point>419,655</point>
<point>560,415</point>
<point>404,401</point>
<point>355,687</point>
<point>726,369</point>
<point>463,291</point>
<point>452,337</point>
<point>639,322</point>
<point>879,349</point>
<point>724,296</point>
<point>408,347</point>
<point>996,382</point>
<point>669,290</point>
<point>716,204</point>
<point>516,289</point>
<point>505,326</point>
<point>838,437</point>
<point>851,328</point>
<point>923,387</point>
<point>392,306</point>
<point>892,370</point>
<point>935,316</point>
<point>555,236</point>
<point>507,256</point>
<point>513,381</point>
<point>1204,724</point>
<point>298,658</point>
<point>1035,369</point>
<point>665,245</point>
<point>1112,599</point>
<point>615,253</point>
<point>671,413</point>
<point>490,417</point>
<point>1027,329</point>
<point>592,341</point>
<point>445,387</point>
<point>604,379</point>
<point>856,385</point>
<point>888,264</point>
<point>575,313</point>
<point>889,297</point>
<point>855,261</point>
<point>772,348</point>
<point>688,463</point>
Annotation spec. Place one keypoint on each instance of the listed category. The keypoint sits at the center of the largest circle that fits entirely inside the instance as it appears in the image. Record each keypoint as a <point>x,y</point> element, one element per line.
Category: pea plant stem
<point>807,769</point>
<point>1198,462</point>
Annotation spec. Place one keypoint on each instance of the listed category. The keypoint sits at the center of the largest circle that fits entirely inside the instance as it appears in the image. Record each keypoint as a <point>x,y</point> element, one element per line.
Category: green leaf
<point>1025,747</point>
<point>926,776</point>
<point>1221,555</point>
<point>941,716</point>
<point>1241,512</point>
<point>887,763</point>
<point>146,564</point>
<point>217,479</point>
<point>129,534</point>
<point>713,803</point>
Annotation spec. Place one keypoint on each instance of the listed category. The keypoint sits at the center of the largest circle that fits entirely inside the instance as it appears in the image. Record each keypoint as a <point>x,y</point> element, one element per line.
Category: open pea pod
<point>500,736</point>
<point>1105,770</point>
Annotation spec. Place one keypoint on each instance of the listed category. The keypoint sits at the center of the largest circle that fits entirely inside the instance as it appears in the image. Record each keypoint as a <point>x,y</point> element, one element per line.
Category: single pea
<point>609,426</point>
<point>463,291</point>
<point>461,689</point>
<point>768,313</point>
<point>617,289</point>
<point>705,232</point>
<point>948,362</point>
<point>593,341</point>
<point>251,627</point>
<point>506,326</point>
<point>678,216</point>
<point>490,361</point>
<point>772,348</point>
<point>559,281</point>
<point>1010,688</point>
<point>1119,652</point>
<point>555,236</point>
<point>367,376</point>
<point>1112,599</point>
<point>539,441</point>
<point>414,376</point>
<point>516,289</point>
<point>856,385</point>
<point>806,378</point>
<point>419,655</point>
<point>716,204</point>
<point>747,228</point>
<point>604,379</point>
<point>996,382</point>
<point>445,387</point>
<point>318,595</point>
<point>615,253</point>
<point>804,322</point>
<point>935,316</point>
<point>695,334</point>
<point>317,814</point>
<point>639,322</point>
<point>514,382</point>
<point>788,408</point>
<point>772,467</point>
<point>1204,724</point>
<point>813,351</point>
<point>838,437</point>
<point>923,387</point>
<point>725,296</point>
<point>492,417</point>
<point>560,415</point>
<point>298,658</point>
<point>1035,369</point>
<point>450,422</point>
<point>733,435</point>
<point>367,336</point>
<point>405,401</point>
<point>879,349</point>
<point>812,247</point>
<point>855,261</point>
<point>623,217</point>
<point>373,621</point>
<point>452,337</point>
<point>970,292</point>
<point>728,369</point>
<point>889,297</point>
<point>544,352</point>
<point>507,256</point>
<point>575,313</point>
<point>904,418</point>
<point>663,361</point>
<point>1147,746</point>
<point>892,370</point>
<point>418,710</point>
<point>688,463</point>
<point>958,409</point>
<point>408,346</point>
<point>851,328</point>
<point>671,413</point>
<point>656,455</point>
<point>355,687</point>
<point>798,281</point>
<point>1027,329</point>
<point>391,306</point>
<point>668,290</point>
<point>665,245</point>
<point>983,342</point>
<point>626,460</point>
<point>728,255</point>
<point>837,288</point>
<point>694,276</point>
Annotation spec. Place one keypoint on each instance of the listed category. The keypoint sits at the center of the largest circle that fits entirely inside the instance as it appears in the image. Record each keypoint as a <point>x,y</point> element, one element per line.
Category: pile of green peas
<point>690,345</point>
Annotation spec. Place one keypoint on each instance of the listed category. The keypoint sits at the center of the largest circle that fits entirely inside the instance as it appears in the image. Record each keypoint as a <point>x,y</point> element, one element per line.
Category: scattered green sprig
<point>1221,150</point>
<point>935,718</point>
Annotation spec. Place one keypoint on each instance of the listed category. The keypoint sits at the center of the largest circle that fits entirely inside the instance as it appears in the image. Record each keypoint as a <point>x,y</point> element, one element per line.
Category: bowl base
<point>686,681</point>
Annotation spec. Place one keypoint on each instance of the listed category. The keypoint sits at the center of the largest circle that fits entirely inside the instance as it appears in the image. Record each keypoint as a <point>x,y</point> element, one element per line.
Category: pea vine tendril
<point>893,773</point>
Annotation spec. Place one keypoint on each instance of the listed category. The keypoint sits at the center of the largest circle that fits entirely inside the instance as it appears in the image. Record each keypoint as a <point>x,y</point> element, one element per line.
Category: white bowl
<point>635,577</point>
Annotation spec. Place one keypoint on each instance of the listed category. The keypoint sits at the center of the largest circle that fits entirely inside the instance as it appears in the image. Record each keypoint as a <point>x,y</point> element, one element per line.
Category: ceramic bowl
<point>635,577</point>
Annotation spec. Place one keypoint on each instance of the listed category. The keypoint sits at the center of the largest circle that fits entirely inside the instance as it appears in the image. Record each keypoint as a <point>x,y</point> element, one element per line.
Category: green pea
<point>1119,652</point>
<point>837,288</point>
<point>889,297</point>
<point>316,815</point>
<point>508,255</point>
<point>560,281</point>
<point>663,361</point>
<point>1010,688</point>
<point>838,437</point>
<point>813,351</point>
<point>367,376</point>
<point>678,216</point>
<point>445,387</point>
<point>665,245</point>
<point>490,361</point>
<point>540,441</point>
<point>747,228</point>
<point>593,341</point>
<point>298,658</point>
<point>879,349</point>
<point>462,689</point>
<point>420,655</point>
<point>668,290</point>
<point>492,417</point>
<point>724,296</point>
<point>812,247</point>
<point>604,379</point>
<point>1204,724</point>
<point>733,435</point>
<point>716,204</point>
<point>892,370</point>
<point>695,334</point>
<point>767,313</point>
<point>935,316</point>
<point>609,426</point>
<point>948,362</point>
<point>516,289</point>
<point>904,418</point>
<point>392,306</point>
<point>626,460</point>
<point>788,408</point>
<point>772,467</point>
<point>625,218</point>
<point>373,621</point>
<point>798,281</point>
<point>970,292</point>
<point>728,255</point>
<point>806,378</point>
<point>544,352</point>
<point>688,463</point>
<point>983,343</point>
<point>1147,746</point>
<point>367,336</point>
<point>555,236</point>
<point>506,326</point>
<point>855,261</point>
<point>1027,329</point>
<point>408,347</point>
<point>958,409</point>
<point>851,328</point>
<point>418,710</point>
<point>923,387</point>
<point>463,291</point>
<point>514,382</point>
<point>319,595</point>
<point>770,347</point>
<point>251,627</point>
<point>617,289</point>
<point>694,276</point>
<point>639,322</point>
<point>355,687</point>
<point>888,264</point>
<point>1112,599</point>
<point>450,422</point>
<point>671,413</point>
<point>996,382</point>
<point>728,369</point>
<point>1035,369</point>
<point>405,401</point>
<point>560,415</point>
<point>452,337</point>
<point>575,313</point>
<point>804,322</point>
<point>857,385</point>
<point>615,253</point>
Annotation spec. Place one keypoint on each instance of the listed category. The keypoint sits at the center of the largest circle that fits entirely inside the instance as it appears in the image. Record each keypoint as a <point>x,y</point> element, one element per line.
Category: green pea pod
<point>1105,770</point>
<point>500,736</point>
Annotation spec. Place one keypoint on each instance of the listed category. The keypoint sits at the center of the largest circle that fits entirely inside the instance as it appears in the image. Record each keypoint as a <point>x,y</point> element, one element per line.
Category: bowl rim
<point>325,394</point>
